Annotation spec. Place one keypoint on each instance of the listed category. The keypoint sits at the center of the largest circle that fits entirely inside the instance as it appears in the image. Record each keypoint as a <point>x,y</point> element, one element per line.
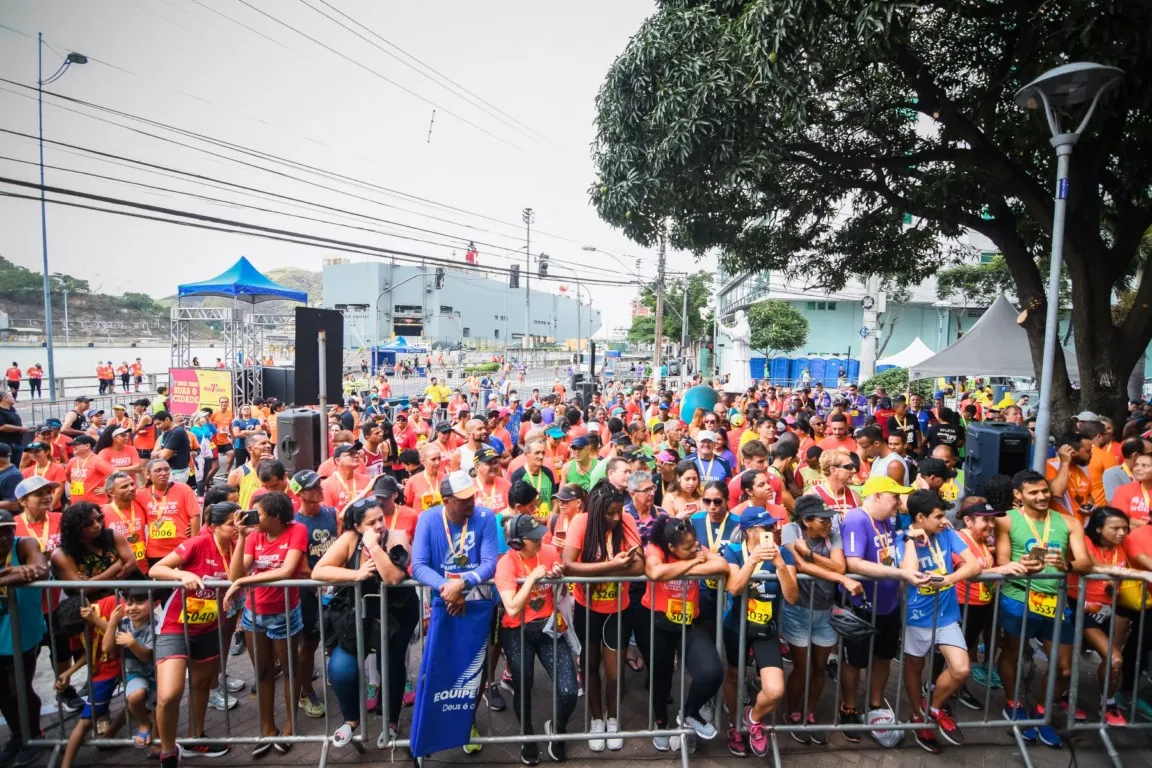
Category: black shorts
<point>223,449</point>
<point>203,647</point>
<point>1101,620</point>
<point>310,613</point>
<point>765,651</point>
<point>608,628</point>
<point>885,645</point>
<point>975,619</point>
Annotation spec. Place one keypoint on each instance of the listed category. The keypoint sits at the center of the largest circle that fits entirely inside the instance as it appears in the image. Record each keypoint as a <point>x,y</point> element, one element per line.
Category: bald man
<point>476,432</point>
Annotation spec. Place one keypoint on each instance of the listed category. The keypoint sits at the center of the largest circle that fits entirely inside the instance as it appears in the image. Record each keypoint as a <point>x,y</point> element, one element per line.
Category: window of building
<point>496,333</point>
<point>466,332</point>
<point>821,306</point>
<point>408,309</point>
<point>986,257</point>
<point>444,310</point>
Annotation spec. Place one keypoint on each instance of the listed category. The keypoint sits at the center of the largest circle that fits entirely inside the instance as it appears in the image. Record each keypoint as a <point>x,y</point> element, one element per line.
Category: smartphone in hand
<point>251,517</point>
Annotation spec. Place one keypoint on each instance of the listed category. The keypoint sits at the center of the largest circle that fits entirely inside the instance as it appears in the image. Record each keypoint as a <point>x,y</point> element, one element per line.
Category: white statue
<point>738,366</point>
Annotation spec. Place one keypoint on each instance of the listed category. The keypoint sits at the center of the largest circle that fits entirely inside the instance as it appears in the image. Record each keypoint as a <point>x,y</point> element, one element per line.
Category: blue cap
<point>555,432</point>
<point>663,407</point>
<point>580,442</point>
<point>754,516</point>
<point>53,422</point>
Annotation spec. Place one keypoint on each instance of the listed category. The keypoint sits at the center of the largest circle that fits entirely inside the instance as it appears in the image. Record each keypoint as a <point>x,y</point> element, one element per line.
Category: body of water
<point>81,361</point>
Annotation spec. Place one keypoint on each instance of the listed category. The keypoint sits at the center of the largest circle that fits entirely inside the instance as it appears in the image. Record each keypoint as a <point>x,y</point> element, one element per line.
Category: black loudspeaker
<point>309,323</point>
<point>586,390</point>
<point>591,358</point>
<point>280,383</point>
<point>995,448</point>
<point>298,439</point>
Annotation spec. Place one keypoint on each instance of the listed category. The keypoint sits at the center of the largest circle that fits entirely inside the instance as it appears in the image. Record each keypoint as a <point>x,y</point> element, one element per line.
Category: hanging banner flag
<point>449,682</point>
<point>471,255</point>
<point>192,389</point>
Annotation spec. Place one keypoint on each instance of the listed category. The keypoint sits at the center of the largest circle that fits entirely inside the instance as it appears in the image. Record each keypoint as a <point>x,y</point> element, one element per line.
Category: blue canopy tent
<point>242,282</point>
<point>385,354</point>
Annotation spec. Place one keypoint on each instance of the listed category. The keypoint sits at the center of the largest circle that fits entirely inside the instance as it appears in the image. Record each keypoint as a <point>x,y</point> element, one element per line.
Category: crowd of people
<point>786,523</point>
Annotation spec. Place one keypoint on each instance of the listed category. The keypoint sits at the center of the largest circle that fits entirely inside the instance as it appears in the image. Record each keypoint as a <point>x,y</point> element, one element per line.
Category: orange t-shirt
<point>603,597</point>
<point>496,497</point>
<point>831,443</point>
<point>512,566</point>
<point>420,494</point>
<point>122,459</point>
<point>976,592</point>
<point>678,600</point>
<point>1079,488</point>
<point>1101,460</point>
<point>53,473</point>
<point>222,420</point>
<point>47,535</point>
<point>402,519</point>
<point>1132,500</point>
<point>86,476</point>
<point>13,374</point>
<point>169,516</point>
<point>338,492</point>
<point>35,373</point>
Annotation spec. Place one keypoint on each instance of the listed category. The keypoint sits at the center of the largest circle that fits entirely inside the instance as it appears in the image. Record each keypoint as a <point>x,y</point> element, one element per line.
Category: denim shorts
<point>794,627</point>
<point>140,683</point>
<point>274,625</point>
<point>1040,627</point>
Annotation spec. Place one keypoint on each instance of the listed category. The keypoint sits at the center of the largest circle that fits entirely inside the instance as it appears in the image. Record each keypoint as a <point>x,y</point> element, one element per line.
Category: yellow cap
<point>883,484</point>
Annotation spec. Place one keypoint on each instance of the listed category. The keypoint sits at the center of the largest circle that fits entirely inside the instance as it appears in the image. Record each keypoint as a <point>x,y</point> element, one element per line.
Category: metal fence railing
<point>631,621</point>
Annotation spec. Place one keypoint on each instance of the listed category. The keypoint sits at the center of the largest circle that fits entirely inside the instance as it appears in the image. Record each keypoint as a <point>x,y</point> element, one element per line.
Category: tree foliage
<point>777,328</point>
<point>796,135</point>
<point>643,329</point>
<point>895,382</point>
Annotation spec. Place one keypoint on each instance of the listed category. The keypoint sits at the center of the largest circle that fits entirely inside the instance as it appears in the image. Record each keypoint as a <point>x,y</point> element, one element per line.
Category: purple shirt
<point>871,540</point>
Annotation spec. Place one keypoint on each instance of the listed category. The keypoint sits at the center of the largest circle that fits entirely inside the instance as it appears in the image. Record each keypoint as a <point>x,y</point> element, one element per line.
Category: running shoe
<point>662,743</point>
<point>1143,708</point>
<point>1019,713</point>
<point>926,737</point>
<point>1081,715</point>
<point>506,681</point>
<point>800,737</point>
<point>529,753</point>
<point>409,697</point>
<point>703,729</point>
<point>233,684</point>
<point>757,736</point>
<point>979,675</point>
<point>70,701</point>
<point>312,705</point>
<point>612,725</point>
<point>1048,735</point>
<point>237,647</point>
<point>736,743</point>
<point>947,726</point>
<point>1114,717</point>
<point>221,701</point>
<point>373,699</point>
<point>557,750</point>
<point>816,735</point>
<point>597,727</point>
<point>203,750</point>
<point>471,748</point>
<point>495,701</point>
<point>851,717</point>
<point>967,699</point>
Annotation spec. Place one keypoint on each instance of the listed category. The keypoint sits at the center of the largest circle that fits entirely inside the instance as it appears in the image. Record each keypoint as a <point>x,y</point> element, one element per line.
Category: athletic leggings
<point>660,647</point>
<point>11,701</point>
<point>538,645</point>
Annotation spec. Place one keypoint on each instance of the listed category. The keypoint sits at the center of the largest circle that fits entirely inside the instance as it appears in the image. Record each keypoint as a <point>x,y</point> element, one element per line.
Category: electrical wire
<point>456,89</point>
<point>386,79</point>
<point>272,231</point>
<point>290,163</point>
<point>241,24</point>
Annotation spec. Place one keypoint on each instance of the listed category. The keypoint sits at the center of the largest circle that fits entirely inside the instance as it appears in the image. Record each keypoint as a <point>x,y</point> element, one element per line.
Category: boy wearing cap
<point>870,550</point>
<point>929,548</point>
<point>319,521</point>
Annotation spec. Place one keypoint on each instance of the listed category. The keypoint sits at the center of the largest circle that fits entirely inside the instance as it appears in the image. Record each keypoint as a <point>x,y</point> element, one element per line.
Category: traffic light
<point>543,260</point>
<point>514,277</point>
<point>439,282</point>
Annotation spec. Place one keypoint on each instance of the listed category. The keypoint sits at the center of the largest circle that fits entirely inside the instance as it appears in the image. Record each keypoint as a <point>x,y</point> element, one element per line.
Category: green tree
<point>140,302</point>
<point>699,286</point>
<point>836,140</point>
<point>777,328</point>
<point>73,285</point>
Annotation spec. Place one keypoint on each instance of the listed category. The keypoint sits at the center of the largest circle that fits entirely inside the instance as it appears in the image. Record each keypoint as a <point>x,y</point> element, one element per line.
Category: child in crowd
<point>104,673</point>
<point>934,614</point>
<point>136,635</point>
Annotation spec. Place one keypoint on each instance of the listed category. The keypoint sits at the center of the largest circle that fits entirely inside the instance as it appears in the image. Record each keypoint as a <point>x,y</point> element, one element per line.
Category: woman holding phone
<point>271,548</point>
<point>601,543</point>
<point>683,500</point>
<point>756,553</point>
<point>188,640</point>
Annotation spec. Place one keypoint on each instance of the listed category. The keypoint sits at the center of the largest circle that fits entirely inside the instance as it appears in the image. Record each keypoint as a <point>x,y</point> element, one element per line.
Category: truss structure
<point>244,342</point>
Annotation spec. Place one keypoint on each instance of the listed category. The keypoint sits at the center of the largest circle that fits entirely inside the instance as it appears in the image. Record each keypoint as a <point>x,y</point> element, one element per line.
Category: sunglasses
<point>710,502</point>
<point>849,467</point>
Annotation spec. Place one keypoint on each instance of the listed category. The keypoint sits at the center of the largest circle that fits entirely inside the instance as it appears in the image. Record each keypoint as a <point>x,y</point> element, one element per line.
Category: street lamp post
<point>69,60</point>
<point>1063,86</point>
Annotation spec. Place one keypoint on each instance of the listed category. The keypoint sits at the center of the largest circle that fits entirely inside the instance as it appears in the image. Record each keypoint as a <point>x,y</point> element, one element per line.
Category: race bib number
<point>561,623</point>
<point>1042,604</point>
<point>164,529</point>
<point>199,610</point>
<point>544,511</point>
<point>983,594</point>
<point>759,611</point>
<point>138,550</point>
<point>931,589</point>
<point>75,488</point>
<point>605,592</point>
<point>428,500</point>
<point>712,584</point>
<point>679,612</point>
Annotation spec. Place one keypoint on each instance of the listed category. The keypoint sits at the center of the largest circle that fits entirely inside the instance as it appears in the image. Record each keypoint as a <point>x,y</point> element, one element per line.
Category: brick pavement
<point>988,748</point>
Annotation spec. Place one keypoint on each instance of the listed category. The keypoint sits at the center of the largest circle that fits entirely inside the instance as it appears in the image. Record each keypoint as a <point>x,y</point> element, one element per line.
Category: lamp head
<point>76,58</point>
<point>1067,85</point>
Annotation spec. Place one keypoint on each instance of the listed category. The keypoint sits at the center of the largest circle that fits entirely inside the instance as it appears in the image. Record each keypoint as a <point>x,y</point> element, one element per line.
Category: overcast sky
<point>265,87</point>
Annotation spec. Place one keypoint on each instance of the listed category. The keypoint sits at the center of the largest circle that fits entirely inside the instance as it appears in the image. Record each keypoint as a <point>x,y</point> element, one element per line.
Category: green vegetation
<point>481,369</point>
<point>20,285</point>
<point>777,328</point>
<point>643,330</point>
<point>895,382</point>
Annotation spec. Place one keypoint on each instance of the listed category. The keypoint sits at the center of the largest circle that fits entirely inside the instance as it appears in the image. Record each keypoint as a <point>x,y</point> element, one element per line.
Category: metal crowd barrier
<point>653,729</point>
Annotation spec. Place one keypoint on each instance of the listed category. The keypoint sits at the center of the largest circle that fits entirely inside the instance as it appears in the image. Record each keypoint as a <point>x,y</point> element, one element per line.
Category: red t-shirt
<point>120,460</point>
<point>1132,500</point>
<point>131,525</point>
<point>511,567</point>
<point>603,595</point>
<point>53,473</point>
<point>1097,591</point>
<point>202,556</point>
<point>402,519</point>
<point>105,666</point>
<point>678,600</point>
<point>496,497</point>
<point>270,555</point>
<point>977,592</point>
<point>338,492</point>
<point>170,515</point>
<point>1139,542</point>
<point>86,476</point>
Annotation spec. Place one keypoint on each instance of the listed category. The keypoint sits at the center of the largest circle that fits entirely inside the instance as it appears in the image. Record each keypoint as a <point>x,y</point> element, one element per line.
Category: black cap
<point>485,454</point>
<point>812,506</point>
<point>84,440</point>
<point>385,486</point>
<point>347,448</point>
<point>443,427</point>
<point>565,493</point>
<point>83,399</point>
<point>936,468</point>
<point>981,509</point>
<point>529,528</point>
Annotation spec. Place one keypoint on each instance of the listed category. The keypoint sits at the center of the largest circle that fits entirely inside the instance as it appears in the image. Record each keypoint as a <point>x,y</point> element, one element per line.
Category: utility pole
<point>874,306</point>
<point>684,337</point>
<point>528,216</point>
<point>657,359</point>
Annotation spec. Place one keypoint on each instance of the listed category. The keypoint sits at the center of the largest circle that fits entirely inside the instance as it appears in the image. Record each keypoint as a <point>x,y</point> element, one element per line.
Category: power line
<point>325,241</point>
<point>452,86</point>
<point>240,23</point>
<point>290,163</point>
<point>388,80</point>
